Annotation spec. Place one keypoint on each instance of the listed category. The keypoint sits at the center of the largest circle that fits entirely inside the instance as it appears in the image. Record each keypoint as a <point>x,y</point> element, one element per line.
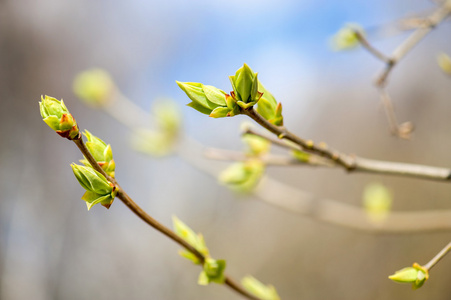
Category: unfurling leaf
<point>98,188</point>
<point>204,98</point>
<point>258,289</point>
<point>195,240</point>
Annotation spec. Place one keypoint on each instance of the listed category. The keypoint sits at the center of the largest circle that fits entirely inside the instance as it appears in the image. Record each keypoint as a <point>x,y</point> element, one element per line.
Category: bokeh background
<point>51,247</point>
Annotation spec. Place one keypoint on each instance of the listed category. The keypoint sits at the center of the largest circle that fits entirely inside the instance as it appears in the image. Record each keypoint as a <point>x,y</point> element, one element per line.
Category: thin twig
<point>336,213</point>
<point>128,201</point>
<point>364,42</point>
<point>354,163</point>
<point>434,19</point>
<point>438,257</point>
<point>267,159</point>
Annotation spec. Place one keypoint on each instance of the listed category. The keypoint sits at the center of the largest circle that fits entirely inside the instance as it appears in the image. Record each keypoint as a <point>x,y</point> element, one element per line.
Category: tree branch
<point>434,19</point>
<point>128,201</point>
<point>353,163</point>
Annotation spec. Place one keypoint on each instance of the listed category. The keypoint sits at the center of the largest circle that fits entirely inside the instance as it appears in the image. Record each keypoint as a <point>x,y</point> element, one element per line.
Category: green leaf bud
<point>347,37</point>
<point>56,115</point>
<point>98,188</point>
<point>101,152</point>
<point>195,240</point>
<point>444,62</point>
<point>302,156</point>
<point>93,86</point>
<point>91,180</point>
<point>243,177</point>
<point>243,84</point>
<point>213,271</point>
<point>256,145</point>
<point>417,275</point>
<point>220,112</point>
<point>258,289</point>
<point>204,98</point>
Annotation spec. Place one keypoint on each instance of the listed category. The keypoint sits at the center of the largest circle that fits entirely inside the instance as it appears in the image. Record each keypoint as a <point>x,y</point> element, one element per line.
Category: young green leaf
<point>258,289</point>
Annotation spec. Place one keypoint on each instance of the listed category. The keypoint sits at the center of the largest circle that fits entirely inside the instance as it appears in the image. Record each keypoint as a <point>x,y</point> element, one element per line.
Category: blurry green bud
<point>195,240</point>
<point>347,37</point>
<point>377,201</point>
<point>417,275</point>
<point>244,176</point>
<point>213,272</point>
<point>256,145</point>
<point>101,152</point>
<point>258,289</point>
<point>93,86</point>
<point>98,188</point>
<point>56,116</point>
<point>444,62</point>
<point>205,98</point>
<point>302,156</point>
<point>155,143</point>
<point>168,116</point>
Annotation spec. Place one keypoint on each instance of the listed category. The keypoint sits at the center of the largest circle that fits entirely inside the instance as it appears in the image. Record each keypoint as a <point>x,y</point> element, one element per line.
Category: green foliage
<point>56,115</point>
<point>258,289</point>
<point>101,152</point>
<point>247,92</point>
<point>98,188</point>
<point>302,156</point>
<point>205,98</point>
<point>417,275</point>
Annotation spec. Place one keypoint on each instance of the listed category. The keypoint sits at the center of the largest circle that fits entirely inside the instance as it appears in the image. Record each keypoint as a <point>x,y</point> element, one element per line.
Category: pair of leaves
<point>98,189</point>
<point>213,270</point>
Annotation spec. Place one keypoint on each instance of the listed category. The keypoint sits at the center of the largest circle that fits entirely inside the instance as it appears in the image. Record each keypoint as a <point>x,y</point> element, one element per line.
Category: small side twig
<point>364,42</point>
